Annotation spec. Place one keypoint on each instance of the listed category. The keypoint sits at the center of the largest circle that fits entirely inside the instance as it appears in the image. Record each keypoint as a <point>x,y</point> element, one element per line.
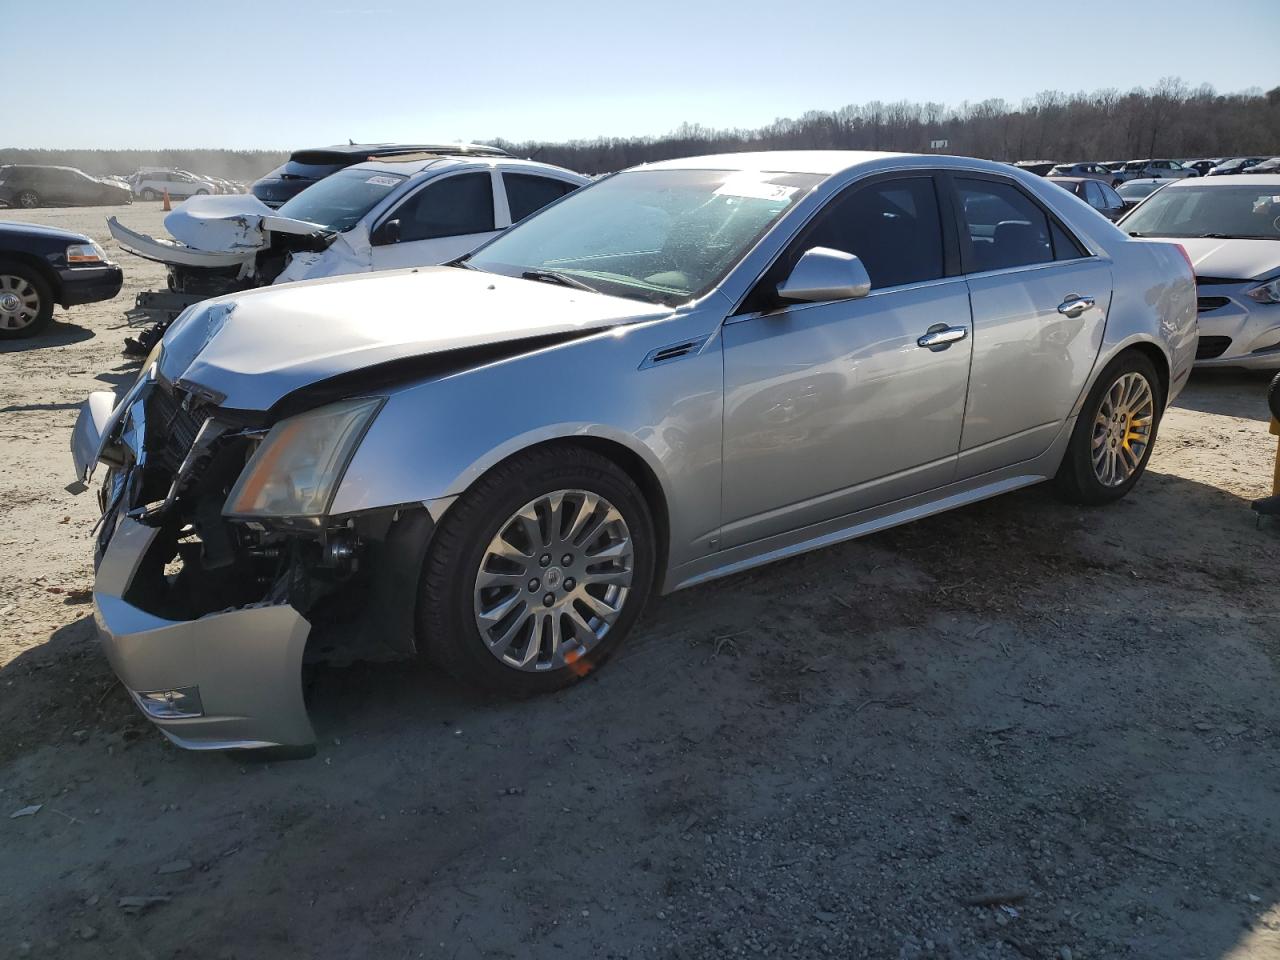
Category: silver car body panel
<point>764,434</point>
<point>91,426</point>
<point>246,663</point>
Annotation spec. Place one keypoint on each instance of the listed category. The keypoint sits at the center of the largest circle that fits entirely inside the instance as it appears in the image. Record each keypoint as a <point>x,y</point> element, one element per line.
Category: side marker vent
<point>673,352</point>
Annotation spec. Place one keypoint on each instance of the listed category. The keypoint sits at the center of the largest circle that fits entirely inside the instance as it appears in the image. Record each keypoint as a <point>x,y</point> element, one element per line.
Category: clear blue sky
<point>241,74</point>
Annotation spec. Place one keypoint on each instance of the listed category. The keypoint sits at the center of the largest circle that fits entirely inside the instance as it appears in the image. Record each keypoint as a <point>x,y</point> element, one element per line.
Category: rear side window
<point>527,194</point>
<point>892,226</point>
<point>1093,195</point>
<point>451,207</point>
<point>1006,228</point>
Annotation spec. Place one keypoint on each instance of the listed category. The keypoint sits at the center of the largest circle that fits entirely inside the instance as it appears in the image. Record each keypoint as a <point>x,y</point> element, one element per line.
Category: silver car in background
<point>676,373</point>
<point>1230,227</point>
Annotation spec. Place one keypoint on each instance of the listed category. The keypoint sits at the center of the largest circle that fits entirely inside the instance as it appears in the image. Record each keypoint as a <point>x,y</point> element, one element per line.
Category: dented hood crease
<point>253,348</point>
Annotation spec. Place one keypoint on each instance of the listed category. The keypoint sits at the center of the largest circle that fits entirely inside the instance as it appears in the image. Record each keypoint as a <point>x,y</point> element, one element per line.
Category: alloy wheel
<point>553,580</point>
<point>28,200</point>
<point>19,302</point>
<point>1122,429</point>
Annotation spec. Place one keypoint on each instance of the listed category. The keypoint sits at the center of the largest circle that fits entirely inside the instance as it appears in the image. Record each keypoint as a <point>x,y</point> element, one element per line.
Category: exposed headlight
<point>86,253</point>
<point>1268,292</point>
<point>296,469</point>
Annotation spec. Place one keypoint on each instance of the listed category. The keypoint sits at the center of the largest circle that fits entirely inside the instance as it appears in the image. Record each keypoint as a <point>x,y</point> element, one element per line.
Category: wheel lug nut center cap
<point>553,577</point>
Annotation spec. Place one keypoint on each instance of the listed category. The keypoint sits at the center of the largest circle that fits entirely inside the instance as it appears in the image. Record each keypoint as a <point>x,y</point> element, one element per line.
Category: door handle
<point>940,336</point>
<point>1074,306</point>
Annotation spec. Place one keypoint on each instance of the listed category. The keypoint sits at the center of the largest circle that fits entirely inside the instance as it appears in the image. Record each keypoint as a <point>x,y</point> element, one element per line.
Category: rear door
<point>834,407</point>
<point>527,193</point>
<point>445,218</point>
<point>1040,304</point>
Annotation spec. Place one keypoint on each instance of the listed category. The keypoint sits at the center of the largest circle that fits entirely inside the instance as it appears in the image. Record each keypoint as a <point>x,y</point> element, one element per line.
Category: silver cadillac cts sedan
<point>676,373</point>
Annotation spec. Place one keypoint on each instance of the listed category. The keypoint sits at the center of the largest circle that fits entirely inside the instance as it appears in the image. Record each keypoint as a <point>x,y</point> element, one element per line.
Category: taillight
<point>1187,257</point>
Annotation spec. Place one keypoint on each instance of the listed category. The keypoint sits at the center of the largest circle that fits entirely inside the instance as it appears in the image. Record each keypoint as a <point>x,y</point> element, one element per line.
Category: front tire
<point>1112,440</point>
<point>150,195</point>
<point>26,302</point>
<point>28,200</point>
<point>537,573</point>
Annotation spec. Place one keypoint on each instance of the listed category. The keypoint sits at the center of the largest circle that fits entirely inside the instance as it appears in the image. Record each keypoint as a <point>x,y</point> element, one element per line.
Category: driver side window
<point>451,207</point>
<point>892,226</point>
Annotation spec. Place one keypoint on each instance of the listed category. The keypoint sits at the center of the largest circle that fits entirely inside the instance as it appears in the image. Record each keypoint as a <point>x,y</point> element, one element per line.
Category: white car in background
<point>152,185</point>
<point>409,211</point>
<point>1230,228</point>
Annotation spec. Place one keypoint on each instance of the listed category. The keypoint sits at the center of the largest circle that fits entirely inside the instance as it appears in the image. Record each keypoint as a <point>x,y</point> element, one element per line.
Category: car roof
<point>367,149</point>
<point>416,163</point>
<point>827,163</point>
<point>1232,180</point>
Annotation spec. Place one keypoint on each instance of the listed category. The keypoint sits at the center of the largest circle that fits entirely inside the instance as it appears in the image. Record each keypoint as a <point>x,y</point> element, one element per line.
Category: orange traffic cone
<point>167,205</point>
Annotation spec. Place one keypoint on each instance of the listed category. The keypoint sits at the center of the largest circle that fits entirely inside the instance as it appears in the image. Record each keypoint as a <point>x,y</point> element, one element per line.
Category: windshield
<point>665,236</point>
<point>338,202</point>
<point>1137,189</point>
<point>1210,211</point>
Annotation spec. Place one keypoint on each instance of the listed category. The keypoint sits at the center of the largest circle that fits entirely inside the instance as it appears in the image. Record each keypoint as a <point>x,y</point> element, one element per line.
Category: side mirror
<point>387,232</point>
<point>826,274</point>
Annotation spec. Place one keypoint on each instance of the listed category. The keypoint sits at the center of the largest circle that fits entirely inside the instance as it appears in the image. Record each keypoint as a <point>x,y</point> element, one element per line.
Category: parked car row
<point>662,377</point>
<point>1116,172</point>
<point>31,185</point>
<point>151,183</point>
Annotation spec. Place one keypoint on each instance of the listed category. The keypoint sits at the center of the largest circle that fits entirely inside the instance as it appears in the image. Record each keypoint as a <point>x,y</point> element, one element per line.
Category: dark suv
<point>30,185</point>
<point>305,167</point>
<point>41,266</point>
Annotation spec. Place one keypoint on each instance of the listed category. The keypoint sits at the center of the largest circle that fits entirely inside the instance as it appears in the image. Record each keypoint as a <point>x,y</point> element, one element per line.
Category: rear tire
<point>1273,397</point>
<point>1114,434</point>
<point>28,199</point>
<point>26,301</point>
<point>552,640</point>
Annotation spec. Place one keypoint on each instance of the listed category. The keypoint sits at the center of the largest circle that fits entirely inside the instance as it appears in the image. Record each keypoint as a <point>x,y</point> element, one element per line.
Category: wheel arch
<point>1149,349</point>
<point>626,458</point>
<point>47,273</point>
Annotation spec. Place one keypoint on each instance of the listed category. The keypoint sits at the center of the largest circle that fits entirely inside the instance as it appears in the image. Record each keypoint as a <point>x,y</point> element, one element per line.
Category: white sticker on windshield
<point>383,181</point>
<point>751,187</point>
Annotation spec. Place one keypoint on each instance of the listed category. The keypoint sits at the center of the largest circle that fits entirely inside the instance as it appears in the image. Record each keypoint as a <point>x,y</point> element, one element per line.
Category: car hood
<point>1231,259</point>
<point>10,228</point>
<point>230,223</point>
<point>248,350</point>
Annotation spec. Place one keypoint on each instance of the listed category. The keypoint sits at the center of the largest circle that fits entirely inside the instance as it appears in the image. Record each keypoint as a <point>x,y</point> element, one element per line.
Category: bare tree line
<point>1169,119</point>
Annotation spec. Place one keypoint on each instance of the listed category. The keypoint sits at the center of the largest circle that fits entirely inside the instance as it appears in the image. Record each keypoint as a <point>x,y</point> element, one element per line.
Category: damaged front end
<point>206,613</point>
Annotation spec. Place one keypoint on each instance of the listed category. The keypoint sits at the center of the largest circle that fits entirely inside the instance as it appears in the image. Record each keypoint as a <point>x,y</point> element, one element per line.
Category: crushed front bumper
<point>224,681</point>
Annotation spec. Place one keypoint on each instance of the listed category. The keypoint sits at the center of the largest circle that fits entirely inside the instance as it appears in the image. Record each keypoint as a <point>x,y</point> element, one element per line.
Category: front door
<point>1040,305</point>
<point>834,407</point>
<point>437,223</point>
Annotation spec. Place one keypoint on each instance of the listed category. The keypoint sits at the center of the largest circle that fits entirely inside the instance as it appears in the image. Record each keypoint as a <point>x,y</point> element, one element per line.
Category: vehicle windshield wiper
<point>550,276</point>
<point>1135,233</point>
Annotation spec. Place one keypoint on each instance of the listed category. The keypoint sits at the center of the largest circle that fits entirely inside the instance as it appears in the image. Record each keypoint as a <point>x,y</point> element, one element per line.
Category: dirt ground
<point>1022,729</point>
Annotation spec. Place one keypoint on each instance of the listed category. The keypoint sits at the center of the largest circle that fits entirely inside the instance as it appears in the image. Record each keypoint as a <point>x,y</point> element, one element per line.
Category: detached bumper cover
<point>239,671</point>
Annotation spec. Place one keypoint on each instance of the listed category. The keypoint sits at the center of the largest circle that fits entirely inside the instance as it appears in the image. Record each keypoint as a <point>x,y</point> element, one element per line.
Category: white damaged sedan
<point>676,373</point>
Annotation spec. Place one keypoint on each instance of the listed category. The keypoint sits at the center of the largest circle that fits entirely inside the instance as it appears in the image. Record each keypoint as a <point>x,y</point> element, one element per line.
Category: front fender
<point>433,439</point>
